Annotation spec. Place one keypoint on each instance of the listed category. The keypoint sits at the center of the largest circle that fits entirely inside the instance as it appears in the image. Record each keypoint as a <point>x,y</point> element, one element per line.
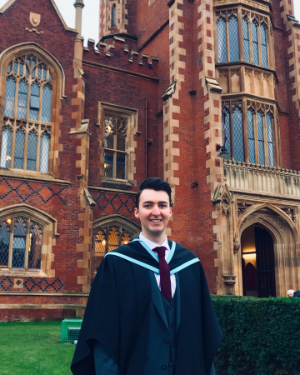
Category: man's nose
<point>155,210</point>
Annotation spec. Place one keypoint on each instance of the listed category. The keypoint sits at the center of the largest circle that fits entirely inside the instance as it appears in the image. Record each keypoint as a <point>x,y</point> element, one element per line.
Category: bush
<point>261,336</point>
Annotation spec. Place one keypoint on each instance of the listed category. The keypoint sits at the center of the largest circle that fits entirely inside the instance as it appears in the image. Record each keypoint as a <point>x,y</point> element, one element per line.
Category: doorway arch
<point>258,262</point>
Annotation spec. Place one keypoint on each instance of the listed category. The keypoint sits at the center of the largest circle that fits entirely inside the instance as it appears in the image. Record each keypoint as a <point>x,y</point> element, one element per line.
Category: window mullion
<point>38,148</point>
<point>256,138</point>
<point>11,240</point>
<point>259,45</point>
<point>26,146</point>
<point>250,41</point>
<point>27,243</point>
<point>227,37</point>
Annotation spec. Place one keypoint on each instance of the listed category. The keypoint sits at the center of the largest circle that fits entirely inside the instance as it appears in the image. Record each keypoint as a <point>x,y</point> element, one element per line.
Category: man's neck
<point>156,239</point>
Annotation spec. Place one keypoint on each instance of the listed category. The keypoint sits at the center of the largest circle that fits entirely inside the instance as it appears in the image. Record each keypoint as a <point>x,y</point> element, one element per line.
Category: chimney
<point>78,23</point>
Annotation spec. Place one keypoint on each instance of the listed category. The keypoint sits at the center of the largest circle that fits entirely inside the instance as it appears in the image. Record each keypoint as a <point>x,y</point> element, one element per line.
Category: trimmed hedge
<point>261,336</point>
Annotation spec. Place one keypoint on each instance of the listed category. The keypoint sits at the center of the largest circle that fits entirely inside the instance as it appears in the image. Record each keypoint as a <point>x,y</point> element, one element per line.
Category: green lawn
<point>34,349</point>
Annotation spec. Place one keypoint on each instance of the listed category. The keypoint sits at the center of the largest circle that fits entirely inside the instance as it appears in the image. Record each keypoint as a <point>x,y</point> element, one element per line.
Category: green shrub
<point>261,336</point>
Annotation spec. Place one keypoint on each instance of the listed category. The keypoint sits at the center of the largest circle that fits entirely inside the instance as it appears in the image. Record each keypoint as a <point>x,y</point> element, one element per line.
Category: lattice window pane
<point>238,136</point>
<point>21,68</point>
<point>44,153</point>
<point>46,109</point>
<point>19,149</point>
<point>35,246</point>
<point>6,148</point>
<point>34,102</point>
<point>39,72</point>
<point>44,74</point>
<point>22,100</point>
<point>10,97</point>
<point>121,166</point>
<point>260,137</point>
<point>31,151</point>
<point>50,77</point>
<point>114,15</point>
<point>226,130</point>
<point>15,67</point>
<point>270,140</point>
<point>246,40</point>
<point>234,39</point>
<point>108,163</point>
<point>113,239</point>
<point>4,244</point>
<point>9,68</point>
<point>19,244</point>
<point>222,43</point>
<point>264,46</point>
<point>255,44</point>
<point>251,139</point>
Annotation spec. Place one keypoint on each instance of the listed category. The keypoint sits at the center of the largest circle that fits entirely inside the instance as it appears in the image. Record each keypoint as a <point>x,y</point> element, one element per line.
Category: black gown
<point>118,311</point>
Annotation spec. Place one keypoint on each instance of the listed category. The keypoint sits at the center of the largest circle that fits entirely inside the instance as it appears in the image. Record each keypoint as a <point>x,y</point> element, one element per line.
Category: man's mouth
<point>155,220</point>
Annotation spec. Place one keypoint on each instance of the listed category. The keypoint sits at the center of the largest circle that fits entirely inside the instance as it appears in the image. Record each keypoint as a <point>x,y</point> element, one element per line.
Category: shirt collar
<point>151,244</point>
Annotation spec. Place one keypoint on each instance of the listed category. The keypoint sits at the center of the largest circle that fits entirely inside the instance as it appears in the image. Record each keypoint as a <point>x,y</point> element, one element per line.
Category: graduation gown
<point>117,313</point>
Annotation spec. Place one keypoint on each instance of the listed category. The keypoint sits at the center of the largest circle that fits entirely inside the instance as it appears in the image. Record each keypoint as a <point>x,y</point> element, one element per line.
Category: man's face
<point>154,212</point>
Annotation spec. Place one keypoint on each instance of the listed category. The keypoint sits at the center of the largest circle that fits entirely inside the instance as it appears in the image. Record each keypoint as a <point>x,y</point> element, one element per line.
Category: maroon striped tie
<point>165,280</point>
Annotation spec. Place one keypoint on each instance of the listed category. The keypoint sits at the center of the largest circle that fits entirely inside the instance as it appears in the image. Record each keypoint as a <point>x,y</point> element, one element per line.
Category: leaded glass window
<point>260,138</point>
<point>255,43</point>
<point>21,241</point>
<point>238,135</point>
<point>226,129</point>
<point>251,136</point>
<point>222,40</point>
<point>233,39</point>
<point>27,115</point>
<point>264,46</point>
<point>113,15</point>
<point>246,40</point>
<point>271,157</point>
<point>108,238</point>
<point>115,146</point>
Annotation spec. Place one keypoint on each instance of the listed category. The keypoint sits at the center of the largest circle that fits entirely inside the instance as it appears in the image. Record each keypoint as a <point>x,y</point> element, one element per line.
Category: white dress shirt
<point>152,245</point>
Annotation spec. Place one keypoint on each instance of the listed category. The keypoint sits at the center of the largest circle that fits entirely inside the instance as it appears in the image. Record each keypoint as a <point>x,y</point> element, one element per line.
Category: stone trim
<point>39,306</point>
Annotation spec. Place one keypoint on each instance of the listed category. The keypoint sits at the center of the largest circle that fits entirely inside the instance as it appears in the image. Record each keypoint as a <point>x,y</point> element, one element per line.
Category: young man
<point>149,310</point>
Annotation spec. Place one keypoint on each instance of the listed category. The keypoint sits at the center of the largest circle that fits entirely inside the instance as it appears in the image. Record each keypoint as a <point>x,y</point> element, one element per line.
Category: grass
<point>34,349</point>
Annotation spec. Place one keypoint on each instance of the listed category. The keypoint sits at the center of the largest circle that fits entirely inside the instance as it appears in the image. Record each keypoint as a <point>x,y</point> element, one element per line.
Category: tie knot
<point>161,250</point>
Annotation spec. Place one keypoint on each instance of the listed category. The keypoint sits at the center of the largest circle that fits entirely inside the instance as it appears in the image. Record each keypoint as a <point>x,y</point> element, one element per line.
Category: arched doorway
<point>258,264</point>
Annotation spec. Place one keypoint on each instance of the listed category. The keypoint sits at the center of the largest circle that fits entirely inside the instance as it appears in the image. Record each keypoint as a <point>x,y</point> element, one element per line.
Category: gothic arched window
<point>27,128</point>
<point>233,39</point>
<point>246,40</point>
<point>222,40</point>
<point>264,45</point>
<point>113,15</point>
<point>255,43</point>
<point>21,242</point>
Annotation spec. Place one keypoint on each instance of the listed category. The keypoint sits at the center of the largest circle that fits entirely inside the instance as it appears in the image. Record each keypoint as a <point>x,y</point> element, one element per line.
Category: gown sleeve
<point>100,323</point>
<point>104,364</point>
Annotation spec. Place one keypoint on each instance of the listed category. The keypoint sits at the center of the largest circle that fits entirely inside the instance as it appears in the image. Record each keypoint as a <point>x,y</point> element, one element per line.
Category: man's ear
<point>136,213</point>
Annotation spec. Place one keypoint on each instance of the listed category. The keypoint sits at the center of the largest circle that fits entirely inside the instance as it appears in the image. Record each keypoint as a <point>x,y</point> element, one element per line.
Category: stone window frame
<point>241,13</point>
<point>58,94</point>
<point>131,145</point>
<point>245,104</point>
<point>106,224</point>
<point>49,225</point>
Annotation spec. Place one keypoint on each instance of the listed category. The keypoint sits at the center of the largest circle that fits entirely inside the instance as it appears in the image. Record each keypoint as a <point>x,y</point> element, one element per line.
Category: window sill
<point>31,175</point>
<point>116,182</point>
<point>22,273</point>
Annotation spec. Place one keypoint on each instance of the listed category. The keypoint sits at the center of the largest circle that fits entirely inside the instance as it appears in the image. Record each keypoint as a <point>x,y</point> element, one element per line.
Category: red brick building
<point>169,84</point>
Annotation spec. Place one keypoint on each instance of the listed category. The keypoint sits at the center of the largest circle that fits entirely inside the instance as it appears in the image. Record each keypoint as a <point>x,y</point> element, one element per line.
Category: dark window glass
<point>19,149</point>
<point>233,39</point>
<point>109,164</point>
<point>260,137</point>
<point>238,137</point>
<point>246,40</point>
<point>270,140</point>
<point>251,139</point>
<point>255,44</point>
<point>264,46</point>
<point>34,102</point>
<point>31,151</point>
<point>19,244</point>
<point>46,112</point>
<point>222,44</point>
<point>4,244</point>
<point>22,100</point>
<point>226,129</point>
<point>6,148</point>
<point>113,15</point>
<point>10,97</point>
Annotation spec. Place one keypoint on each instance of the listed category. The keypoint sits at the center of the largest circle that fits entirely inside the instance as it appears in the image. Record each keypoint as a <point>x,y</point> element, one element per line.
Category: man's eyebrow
<point>153,202</point>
